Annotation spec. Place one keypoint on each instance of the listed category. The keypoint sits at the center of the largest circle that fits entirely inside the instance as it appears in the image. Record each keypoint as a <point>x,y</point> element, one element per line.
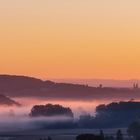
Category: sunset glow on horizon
<point>70,38</point>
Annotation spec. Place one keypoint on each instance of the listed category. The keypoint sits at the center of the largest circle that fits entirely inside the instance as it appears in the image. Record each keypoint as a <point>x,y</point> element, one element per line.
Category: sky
<point>70,38</point>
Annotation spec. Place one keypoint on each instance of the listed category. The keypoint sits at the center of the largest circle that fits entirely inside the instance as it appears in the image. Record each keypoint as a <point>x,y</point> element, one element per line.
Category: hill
<point>7,101</point>
<point>22,86</point>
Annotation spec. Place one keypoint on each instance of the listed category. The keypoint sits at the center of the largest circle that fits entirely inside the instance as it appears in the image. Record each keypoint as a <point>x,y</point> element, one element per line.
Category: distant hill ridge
<point>4,100</point>
<point>23,86</point>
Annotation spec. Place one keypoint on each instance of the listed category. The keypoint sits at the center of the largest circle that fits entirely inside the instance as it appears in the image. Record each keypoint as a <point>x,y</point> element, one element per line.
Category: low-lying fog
<point>19,116</point>
<point>78,107</point>
<point>23,122</point>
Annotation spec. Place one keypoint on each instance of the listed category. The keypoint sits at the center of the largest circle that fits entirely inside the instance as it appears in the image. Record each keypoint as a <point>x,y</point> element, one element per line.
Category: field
<point>69,134</point>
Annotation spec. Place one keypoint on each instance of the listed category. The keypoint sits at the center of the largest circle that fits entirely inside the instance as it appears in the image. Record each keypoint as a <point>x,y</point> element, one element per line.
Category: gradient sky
<point>70,38</point>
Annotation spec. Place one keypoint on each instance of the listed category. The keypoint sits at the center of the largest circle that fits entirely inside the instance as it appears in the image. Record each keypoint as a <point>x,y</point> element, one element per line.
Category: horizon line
<point>69,78</point>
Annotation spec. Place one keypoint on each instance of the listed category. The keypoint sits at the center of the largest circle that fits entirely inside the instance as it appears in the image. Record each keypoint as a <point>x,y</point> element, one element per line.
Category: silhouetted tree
<point>114,114</point>
<point>109,138</point>
<point>50,110</point>
<point>119,135</point>
<point>88,137</point>
<point>102,135</point>
<point>134,130</point>
<point>49,138</point>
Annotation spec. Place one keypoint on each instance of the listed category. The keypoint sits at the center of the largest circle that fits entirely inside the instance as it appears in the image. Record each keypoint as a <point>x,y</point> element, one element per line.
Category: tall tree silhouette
<point>102,135</point>
<point>119,135</point>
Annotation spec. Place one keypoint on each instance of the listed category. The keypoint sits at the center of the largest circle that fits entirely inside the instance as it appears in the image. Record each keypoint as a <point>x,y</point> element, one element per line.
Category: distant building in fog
<point>100,86</point>
<point>135,86</point>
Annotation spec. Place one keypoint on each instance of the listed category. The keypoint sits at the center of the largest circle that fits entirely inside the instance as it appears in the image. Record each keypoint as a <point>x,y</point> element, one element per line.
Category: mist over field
<point>78,107</point>
<point>18,119</point>
<point>19,116</point>
<point>23,122</point>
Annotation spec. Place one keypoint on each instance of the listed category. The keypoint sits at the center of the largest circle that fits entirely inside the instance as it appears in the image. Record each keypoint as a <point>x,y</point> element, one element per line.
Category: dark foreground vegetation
<point>133,133</point>
<point>113,115</point>
<point>101,136</point>
<point>49,110</point>
<point>134,130</point>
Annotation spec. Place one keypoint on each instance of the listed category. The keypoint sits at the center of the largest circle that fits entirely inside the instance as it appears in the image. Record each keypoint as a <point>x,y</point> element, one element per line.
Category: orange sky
<point>70,38</point>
